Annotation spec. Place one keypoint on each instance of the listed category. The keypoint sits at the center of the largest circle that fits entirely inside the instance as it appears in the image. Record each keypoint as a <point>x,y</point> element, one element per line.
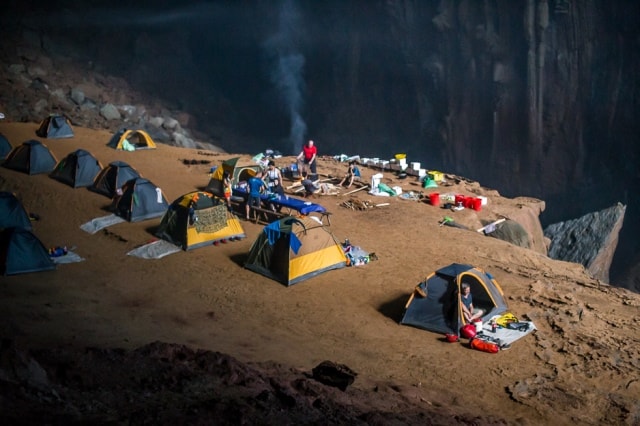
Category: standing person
<point>255,186</point>
<point>272,175</point>
<point>308,157</point>
<point>466,303</point>
<point>226,184</point>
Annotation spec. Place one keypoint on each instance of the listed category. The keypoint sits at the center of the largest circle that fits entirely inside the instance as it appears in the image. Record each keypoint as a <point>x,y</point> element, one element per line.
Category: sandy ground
<point>581,365</point>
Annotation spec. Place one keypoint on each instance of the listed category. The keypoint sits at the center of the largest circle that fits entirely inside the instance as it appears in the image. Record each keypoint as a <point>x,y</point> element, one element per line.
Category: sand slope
<point>581,365</point>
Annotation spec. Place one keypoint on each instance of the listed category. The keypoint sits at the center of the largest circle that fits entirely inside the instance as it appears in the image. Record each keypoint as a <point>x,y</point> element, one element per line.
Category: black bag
<point>517,325</point>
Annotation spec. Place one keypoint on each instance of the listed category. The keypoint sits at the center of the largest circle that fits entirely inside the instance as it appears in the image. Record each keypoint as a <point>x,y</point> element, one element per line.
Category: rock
<point>110,112</point>
<point>16,68</point>
<point>36,71</point>
<point>59,93</point>
<point>156,121</point>
<point>171,124</point>
<point>182,140</point>
<point>590,240</point>
<point>333,374</point>
<point>40,106</point>
<point>77,96</point>
<point>513,233</point>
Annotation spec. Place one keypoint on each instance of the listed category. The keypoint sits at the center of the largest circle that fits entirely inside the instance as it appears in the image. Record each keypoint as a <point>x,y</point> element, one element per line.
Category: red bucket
<point>460,199</point>
<point>434,199</point>
<point>468,203</point>
<point>477,204</point>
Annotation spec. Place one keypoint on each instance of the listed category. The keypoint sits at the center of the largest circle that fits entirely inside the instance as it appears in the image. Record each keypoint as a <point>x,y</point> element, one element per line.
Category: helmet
<point>451,338</point>
<point>468,331</point>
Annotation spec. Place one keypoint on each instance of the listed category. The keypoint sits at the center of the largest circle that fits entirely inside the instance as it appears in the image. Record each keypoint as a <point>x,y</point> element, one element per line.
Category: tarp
<point>154,250</point>
<point>94,225</point>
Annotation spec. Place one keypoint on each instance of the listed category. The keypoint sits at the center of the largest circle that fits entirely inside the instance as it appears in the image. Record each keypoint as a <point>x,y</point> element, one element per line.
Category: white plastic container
<point>478,324</point>
<point>415,166</point>
<point>375,181</point>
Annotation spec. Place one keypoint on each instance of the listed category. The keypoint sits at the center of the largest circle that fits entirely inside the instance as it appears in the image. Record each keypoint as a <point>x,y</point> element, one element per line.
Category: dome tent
<point>199,219</point>
<point>237,173</point>
<point>131,140</point>
<point>77,169</point>
<point>291,250</point>
<point>435,303</point>
<point>140,200</point>
<point>55,126</point>
<point>12,212</point>
<point>32,157</point>
<point>22,252</point>
<point>5,146</point>
<point>113,177</point>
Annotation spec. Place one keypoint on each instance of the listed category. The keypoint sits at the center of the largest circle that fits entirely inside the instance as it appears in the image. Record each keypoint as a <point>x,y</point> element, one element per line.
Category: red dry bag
<point>484,346</point>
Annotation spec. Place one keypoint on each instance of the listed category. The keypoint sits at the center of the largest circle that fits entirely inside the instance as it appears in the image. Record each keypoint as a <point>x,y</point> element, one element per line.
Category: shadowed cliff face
<point>534,98</point>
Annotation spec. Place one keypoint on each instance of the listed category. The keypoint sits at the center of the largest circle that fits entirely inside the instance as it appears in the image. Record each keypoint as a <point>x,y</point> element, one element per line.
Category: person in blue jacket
<point>351,175</point>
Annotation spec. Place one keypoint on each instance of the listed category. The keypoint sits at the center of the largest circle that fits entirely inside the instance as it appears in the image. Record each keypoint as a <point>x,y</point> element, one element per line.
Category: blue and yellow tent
<point>198,219</point>
<point>291,250</point>
<point>434,304</point>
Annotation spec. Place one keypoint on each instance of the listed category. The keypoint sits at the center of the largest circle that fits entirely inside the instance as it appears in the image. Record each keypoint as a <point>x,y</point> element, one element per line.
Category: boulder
<point>590,240</point>
<point>77,96</point>
<point>110,112</point>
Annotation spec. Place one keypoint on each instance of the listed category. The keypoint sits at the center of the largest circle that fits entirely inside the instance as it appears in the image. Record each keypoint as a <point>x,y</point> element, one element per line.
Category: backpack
<point>505,319</point>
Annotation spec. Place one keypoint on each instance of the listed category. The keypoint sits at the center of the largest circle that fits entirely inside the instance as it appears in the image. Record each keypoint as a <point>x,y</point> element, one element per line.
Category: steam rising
<point>287,67</point>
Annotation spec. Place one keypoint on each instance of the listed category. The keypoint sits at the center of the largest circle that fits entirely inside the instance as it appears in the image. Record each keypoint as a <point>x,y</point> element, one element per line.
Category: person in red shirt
<point>308,157</point>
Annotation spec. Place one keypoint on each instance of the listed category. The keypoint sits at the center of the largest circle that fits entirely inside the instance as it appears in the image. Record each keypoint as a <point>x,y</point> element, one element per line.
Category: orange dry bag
<point>484,346</point>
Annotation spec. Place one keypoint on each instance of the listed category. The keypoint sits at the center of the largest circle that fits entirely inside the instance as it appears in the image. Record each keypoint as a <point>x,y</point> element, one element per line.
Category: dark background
<point>532,98</point>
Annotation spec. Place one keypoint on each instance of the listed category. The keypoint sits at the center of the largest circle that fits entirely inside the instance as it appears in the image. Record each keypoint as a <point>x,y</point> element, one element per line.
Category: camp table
<point>285,201</point>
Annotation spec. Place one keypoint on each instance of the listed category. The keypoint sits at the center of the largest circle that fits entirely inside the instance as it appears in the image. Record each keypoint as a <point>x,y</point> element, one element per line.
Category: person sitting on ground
<point>466,303</point>
<point>255,188</point>
<point>310,187</point>
<point>351,175</point>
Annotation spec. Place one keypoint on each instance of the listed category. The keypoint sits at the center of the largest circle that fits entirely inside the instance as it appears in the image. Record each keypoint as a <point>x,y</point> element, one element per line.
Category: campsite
<point>580,364</point>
